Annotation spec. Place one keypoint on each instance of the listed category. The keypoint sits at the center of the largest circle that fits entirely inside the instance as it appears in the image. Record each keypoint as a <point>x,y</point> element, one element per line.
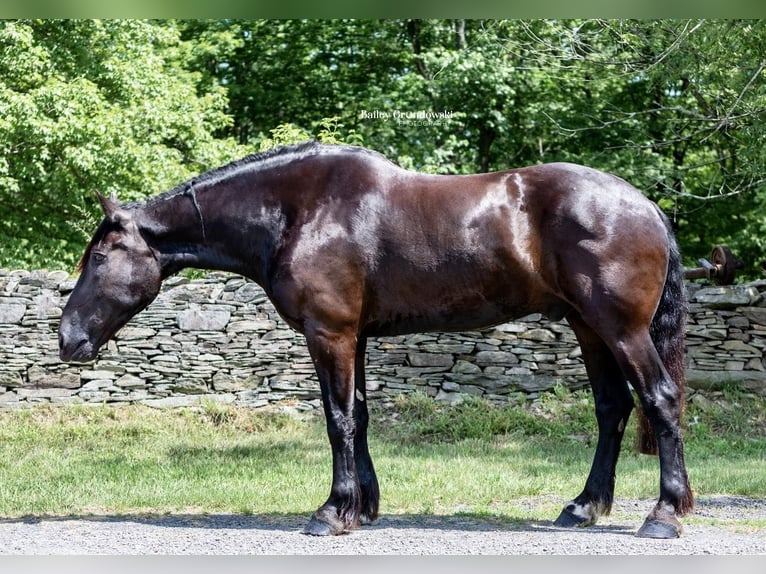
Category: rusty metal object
<point>721,268</point>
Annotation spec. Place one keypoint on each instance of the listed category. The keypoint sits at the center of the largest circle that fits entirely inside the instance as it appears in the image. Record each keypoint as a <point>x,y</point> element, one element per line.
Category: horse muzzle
<point>76,350</point>
<point>74,344</point>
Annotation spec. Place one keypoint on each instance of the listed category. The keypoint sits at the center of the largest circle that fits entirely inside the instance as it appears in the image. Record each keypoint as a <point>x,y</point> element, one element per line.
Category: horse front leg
<point>368,481</point>
<point>334,359</point>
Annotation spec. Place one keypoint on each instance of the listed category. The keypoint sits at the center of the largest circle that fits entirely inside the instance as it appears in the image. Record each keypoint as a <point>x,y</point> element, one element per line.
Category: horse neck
<point>216,226</point>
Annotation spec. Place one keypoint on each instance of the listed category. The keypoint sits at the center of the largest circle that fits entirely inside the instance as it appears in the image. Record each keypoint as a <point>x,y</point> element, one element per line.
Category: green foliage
<point>674,107</point>
<point>328,131</point>
<point>732,420</point>
<point>94,105</point>
<point>422,419</point>
<point>331,131</point>
<point>134,107</point>
<point>284,134</point>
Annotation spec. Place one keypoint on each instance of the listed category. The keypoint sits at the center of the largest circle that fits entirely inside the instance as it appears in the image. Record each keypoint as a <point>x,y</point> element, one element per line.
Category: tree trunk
<point>459,34</point>
<point>413,30</point>
<point>486,138</point>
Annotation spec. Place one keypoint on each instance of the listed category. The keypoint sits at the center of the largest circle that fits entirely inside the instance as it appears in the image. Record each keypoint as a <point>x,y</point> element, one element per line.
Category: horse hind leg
<point>662,403</point>
<point>614,403</point>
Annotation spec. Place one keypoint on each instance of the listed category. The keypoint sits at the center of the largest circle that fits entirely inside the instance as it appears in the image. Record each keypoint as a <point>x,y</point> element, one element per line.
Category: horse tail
<point>667,333</point>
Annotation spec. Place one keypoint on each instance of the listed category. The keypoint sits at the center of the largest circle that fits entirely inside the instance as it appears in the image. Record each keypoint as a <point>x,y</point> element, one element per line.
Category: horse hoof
<point>568,519</point>
<point>657,529</point>
<point>325,522</point>
<point>317,527</point>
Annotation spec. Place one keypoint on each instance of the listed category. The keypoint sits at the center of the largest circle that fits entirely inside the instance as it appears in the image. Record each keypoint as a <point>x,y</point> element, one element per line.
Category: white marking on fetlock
<point>589,513</point>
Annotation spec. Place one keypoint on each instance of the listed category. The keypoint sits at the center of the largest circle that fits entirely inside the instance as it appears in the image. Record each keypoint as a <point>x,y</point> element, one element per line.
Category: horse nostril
<point>67,346</point>
<point>63,355</point>
<point>65,340</point>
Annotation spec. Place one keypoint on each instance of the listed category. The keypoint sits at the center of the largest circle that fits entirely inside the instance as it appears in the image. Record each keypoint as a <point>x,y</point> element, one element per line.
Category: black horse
<point>348,246</point>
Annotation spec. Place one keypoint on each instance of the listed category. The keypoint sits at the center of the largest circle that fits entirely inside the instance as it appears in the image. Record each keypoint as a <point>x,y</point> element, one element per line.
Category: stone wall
<point>219,339</point>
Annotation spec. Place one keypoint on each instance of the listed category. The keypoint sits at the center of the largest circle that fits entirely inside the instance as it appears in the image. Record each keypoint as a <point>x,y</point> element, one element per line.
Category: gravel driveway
<point>720,526</point>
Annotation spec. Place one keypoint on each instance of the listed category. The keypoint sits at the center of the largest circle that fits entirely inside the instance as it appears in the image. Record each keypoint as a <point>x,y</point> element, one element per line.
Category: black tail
<point>667,332</point>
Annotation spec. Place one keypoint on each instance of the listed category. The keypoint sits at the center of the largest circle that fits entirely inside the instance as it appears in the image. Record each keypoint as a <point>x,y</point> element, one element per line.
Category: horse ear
<point>109,205</point>
<point>112,208</point>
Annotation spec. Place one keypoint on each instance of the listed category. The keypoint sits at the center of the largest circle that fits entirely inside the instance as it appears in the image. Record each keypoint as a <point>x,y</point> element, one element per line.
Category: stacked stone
<point>30,307</point>
<point>218,338</point>
<point>726,336</point>
<point>507,361</point>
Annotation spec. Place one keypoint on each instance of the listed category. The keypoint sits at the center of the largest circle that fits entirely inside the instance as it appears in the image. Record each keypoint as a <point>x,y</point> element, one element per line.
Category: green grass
<point>472,458</point>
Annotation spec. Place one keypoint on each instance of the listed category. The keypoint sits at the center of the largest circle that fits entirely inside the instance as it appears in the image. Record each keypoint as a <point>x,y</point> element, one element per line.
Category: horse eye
<point>98,257</point>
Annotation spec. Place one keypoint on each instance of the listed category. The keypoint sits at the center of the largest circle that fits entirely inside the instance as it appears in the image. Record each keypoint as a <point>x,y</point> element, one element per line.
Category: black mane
<point>253,161</point>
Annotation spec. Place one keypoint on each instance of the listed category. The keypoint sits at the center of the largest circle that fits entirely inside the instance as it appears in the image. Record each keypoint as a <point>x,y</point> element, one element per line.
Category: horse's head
<point>120,276</point>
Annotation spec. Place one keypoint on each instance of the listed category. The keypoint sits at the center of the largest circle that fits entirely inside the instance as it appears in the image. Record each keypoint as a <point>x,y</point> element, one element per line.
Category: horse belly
<point>409,301</point>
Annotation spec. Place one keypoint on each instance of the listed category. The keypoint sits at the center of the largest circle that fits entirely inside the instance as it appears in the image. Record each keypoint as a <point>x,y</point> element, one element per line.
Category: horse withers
<point>348,246</point>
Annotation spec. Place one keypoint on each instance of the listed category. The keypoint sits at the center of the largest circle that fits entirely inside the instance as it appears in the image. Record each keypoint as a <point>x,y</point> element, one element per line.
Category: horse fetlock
<point>576,514</point>
<point>681,496</point>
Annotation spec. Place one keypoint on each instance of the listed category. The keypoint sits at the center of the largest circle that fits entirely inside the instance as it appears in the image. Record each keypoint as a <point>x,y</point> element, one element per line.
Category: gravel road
<point>721,525</point>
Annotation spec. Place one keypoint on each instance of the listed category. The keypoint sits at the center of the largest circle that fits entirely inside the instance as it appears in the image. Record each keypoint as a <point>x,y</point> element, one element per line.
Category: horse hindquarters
<point>652,360</point>
<point>635,306</point>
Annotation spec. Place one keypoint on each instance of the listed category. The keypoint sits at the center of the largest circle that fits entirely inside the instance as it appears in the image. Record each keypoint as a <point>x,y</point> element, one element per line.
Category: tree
<point>676,107</point>
<point>88,105</point>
